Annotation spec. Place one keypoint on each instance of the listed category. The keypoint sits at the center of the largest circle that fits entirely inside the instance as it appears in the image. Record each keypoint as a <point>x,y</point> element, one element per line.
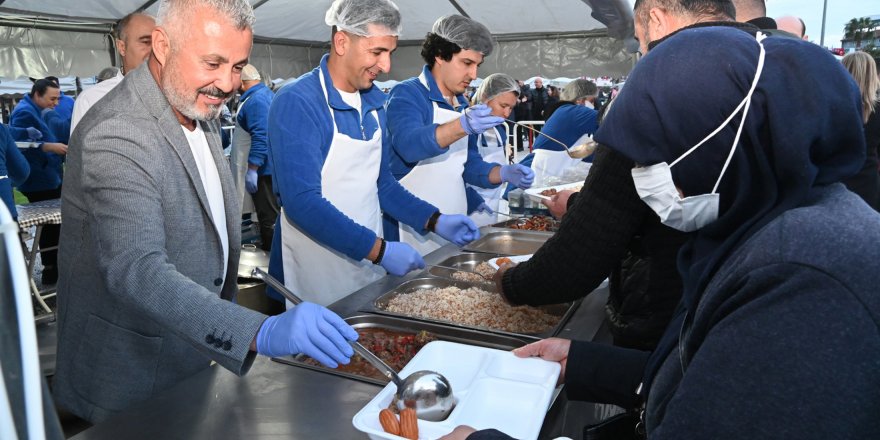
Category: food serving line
<point>278,400</point>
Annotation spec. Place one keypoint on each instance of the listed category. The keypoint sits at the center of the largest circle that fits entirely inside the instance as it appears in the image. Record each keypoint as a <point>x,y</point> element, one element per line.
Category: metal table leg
<point>31,256</point>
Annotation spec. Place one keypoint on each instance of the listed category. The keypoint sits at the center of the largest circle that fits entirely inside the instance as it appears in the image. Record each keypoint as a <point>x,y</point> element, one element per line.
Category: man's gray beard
<point>185,106</point>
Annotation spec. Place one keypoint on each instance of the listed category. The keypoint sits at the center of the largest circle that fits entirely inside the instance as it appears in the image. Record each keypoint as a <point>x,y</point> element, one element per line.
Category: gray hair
<point>577,89</point>
<point>239,12</point>
<point>703,10</point>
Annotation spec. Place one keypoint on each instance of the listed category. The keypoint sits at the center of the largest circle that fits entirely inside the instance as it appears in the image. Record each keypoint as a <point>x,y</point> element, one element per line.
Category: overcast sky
<point>810,11</point>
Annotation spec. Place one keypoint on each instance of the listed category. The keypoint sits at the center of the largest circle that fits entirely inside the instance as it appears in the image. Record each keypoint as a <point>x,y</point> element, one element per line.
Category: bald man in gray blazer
<point>151,233</point>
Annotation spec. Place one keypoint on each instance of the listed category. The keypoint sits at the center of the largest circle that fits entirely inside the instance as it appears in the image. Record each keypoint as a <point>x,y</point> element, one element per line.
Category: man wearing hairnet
<point>430,123</point>
<point>331,156</point>
<point>500,93</point>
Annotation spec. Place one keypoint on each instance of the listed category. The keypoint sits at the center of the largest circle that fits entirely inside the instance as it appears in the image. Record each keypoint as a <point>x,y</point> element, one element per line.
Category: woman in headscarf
<point>866,183</point>
<point>777,332</point>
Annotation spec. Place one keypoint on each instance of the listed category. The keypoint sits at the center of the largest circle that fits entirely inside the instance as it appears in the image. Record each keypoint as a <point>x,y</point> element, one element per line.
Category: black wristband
<point>381,251</point>
<point>432,222</point>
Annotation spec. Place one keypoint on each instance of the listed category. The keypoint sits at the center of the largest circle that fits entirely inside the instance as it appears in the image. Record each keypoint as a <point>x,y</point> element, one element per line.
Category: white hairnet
<point>466,33</point>
<point>355,16</point>
<point>577,89</point>
<point>494,85</point>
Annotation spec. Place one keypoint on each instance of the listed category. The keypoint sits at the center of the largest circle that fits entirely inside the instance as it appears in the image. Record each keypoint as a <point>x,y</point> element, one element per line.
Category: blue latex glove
<point>250,181</point>
<point>478,119</point>
<point>309,329</point>
<point>34,134</point>
<point>457,228</point>
<point>400,258</point>
<point>484,208</point>
<point>519,175</point>
<point>46,111</point>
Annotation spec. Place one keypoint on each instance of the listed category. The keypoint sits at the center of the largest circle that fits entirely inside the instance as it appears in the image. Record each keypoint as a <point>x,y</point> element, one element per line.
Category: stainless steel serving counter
<point>284,402</point>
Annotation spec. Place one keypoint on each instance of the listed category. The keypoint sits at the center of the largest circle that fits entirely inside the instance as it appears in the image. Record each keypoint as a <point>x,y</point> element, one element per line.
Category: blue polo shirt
<point>300,133</point>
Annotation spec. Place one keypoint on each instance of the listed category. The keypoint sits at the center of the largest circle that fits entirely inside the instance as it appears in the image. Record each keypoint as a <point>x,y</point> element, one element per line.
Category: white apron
<point>438,181</point>
<point>348,180</point>
<point>547,163</point>
<point>492,151</point>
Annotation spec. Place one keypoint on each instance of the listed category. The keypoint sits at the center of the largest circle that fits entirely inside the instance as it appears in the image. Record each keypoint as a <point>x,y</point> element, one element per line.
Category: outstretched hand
<point>550,349</point>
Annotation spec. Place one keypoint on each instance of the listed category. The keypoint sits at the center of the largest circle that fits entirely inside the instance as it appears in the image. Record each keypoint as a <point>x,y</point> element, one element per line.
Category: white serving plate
<point>515,258</point>
<point>535,193</point>
<point>494,389</point>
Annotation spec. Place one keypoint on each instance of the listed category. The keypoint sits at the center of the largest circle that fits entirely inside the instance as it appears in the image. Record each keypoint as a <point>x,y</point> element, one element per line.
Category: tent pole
<point>459,8</point>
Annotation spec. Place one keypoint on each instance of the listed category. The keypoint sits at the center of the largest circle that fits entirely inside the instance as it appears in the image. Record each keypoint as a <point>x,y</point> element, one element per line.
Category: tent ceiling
<point>302,21</point>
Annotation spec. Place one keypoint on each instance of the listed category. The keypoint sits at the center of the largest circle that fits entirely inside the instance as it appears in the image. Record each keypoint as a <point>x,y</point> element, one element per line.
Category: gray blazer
<point>142,298</point>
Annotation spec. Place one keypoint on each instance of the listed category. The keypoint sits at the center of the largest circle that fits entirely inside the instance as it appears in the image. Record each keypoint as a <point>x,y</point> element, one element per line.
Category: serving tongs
<point>579,151</point>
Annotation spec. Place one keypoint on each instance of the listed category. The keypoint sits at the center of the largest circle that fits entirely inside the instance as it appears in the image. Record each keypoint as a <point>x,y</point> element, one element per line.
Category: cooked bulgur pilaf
<point>472,307</point>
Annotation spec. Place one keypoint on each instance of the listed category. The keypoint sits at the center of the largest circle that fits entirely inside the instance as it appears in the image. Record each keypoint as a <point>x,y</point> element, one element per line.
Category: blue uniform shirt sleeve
<point>476,170</point>
<point>567,124</point>
<point>413,134</point>
<point>474,199</point>
<point>299,139</point>
<point>17,167</point>
<point>19,133</point>
<point>59,126</point>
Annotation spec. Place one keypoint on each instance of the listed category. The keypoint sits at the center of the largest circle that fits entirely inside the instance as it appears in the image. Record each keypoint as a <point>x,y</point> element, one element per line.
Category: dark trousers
<point>49,236</point>
<point>267,210</point>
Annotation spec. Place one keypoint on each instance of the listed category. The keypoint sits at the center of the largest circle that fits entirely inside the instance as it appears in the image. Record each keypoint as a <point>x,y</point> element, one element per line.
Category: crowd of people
<point>734,220</point>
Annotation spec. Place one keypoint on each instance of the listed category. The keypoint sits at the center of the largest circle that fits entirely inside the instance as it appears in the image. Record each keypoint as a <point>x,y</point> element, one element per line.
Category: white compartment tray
<point>494,389</point>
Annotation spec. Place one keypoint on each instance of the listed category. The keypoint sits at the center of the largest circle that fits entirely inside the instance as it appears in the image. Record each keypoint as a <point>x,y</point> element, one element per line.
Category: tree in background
<point>858,29</point>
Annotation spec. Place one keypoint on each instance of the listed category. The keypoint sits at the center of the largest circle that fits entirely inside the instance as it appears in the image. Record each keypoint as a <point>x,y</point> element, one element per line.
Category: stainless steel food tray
<point>380,305</point>
<point>467,261</point>
<point>508,241</point>
<point>554,224</point>
<point>443,333</point>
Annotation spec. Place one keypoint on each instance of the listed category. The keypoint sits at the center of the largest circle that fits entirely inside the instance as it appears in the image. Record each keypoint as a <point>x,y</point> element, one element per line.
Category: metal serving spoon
<point>576,152</point>
<point>428,392</point>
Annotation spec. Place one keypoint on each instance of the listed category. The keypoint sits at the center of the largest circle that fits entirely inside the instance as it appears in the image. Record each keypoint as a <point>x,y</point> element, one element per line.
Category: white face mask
<point>656,188</point>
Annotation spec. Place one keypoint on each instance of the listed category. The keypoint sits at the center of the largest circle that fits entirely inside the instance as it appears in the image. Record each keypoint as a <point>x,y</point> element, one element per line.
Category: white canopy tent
<point>550,38</point>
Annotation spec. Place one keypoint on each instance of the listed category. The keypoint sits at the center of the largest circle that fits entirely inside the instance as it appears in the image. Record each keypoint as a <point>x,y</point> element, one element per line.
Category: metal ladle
<point>428,392</point>
<point>579,151</point>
